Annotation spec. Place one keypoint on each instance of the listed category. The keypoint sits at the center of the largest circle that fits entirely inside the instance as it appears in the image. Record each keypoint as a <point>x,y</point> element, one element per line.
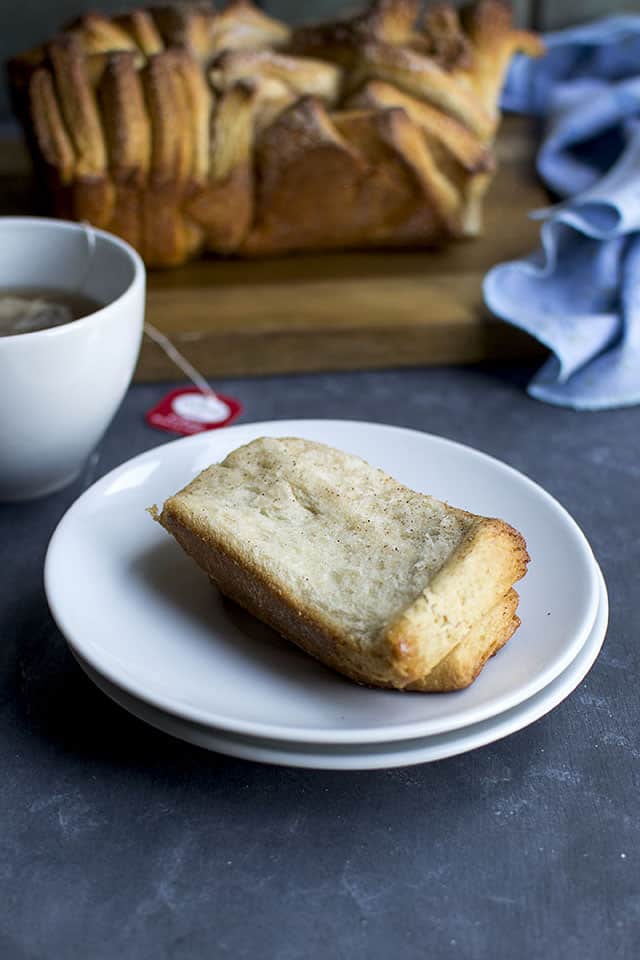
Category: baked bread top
<point>183,128</point>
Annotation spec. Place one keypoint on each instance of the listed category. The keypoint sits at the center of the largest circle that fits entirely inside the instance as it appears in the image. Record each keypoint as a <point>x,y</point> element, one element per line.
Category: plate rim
<point>451,744</point>
<point>316,735</point>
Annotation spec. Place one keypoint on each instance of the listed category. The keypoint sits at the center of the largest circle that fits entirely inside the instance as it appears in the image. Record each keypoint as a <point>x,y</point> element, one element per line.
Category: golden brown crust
<point>492,558</point>
<point>464,663</point>
<point>126,217</point>
<point>301,151</point>
<point>494,42</point>
<point>168,236</point>
<point>385,186</point>
<point>100,34</point>
<point>127,129</point>
<point>93,199</point>
<point>224,207</point>
<point>390,21</point>
<point>468,150</point>
<point>443,38</point>
<point>242,26</point>
<point>187,25</point>
<point>78,104</point>
<point>298,75</point>
<point>407,163</point>
<point>421,77</point>
<point>198,104</point>
<point>139,25</point>
<point>170,126</point>
<point>54,142</point>
<point>384,21</point>
<point>97,145</point>
<point>91,194</point>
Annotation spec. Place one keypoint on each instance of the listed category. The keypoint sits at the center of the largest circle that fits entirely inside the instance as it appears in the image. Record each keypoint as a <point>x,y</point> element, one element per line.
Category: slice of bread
<point>391,587</point>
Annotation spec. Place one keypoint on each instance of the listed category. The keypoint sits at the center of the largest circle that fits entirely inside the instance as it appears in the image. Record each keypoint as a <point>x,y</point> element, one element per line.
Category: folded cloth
<point>579,294</point>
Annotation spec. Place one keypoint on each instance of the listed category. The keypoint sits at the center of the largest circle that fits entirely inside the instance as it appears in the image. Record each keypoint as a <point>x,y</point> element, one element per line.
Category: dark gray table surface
<point>118,841</point>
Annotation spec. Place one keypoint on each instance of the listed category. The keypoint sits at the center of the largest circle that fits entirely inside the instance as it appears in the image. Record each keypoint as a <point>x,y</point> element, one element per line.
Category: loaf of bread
<point>183,129</point>
<point>390,587</point>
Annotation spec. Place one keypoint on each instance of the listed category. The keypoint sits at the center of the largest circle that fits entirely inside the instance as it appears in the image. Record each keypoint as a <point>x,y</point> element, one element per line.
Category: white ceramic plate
<point>141,613</point>
<point>375,756</point>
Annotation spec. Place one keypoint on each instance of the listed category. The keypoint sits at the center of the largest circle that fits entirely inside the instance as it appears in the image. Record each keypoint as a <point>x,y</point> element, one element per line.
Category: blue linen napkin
<point>579,294</point>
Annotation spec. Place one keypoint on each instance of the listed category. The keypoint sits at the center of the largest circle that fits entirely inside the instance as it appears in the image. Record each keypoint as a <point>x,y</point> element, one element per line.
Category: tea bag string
<point>152,332</point>
<point>90,237</point>
<point>178,359</point>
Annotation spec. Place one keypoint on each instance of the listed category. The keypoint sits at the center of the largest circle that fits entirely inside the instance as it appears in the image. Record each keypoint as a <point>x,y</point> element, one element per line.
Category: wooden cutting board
<point>342,311</point>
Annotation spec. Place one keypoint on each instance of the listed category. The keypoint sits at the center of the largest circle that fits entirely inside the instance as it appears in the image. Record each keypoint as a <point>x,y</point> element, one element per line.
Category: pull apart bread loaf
<point>385,585</point>
<point>183,129</point>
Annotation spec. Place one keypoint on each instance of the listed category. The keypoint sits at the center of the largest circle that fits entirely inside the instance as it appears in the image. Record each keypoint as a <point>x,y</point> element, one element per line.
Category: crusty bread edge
<point>464,663</point>
<point>485,566</point>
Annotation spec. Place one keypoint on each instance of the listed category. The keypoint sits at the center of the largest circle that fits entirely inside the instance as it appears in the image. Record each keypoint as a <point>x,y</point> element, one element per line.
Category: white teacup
<point>60,387</point>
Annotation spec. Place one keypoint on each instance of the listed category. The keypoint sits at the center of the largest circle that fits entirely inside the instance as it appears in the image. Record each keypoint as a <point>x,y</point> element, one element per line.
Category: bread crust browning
<point>301,150</point>
<point>444,71</point>
<point>224,206</point>
<point>464,663</point>
<point>384,182</point>
<point>198,100</point>
<point>127,128</point>
<point>242,25</point>
<point>300,77</point>
<point>444,39</point>
<point>422,77</point>
<point>78,105</point>
<point>101,34</point>
<point>140,25</point>
<point>128,139</point>
<point>492,558</point>
<point>54,142</point>
<point>493,41</point>
<point>468,150</point>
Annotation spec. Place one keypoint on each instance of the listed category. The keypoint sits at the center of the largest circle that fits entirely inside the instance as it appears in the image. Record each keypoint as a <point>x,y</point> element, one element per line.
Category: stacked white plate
<point>149,629</point>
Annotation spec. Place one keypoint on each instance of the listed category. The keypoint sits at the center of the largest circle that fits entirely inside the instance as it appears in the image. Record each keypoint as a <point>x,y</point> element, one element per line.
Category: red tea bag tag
<point>189,410</point>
